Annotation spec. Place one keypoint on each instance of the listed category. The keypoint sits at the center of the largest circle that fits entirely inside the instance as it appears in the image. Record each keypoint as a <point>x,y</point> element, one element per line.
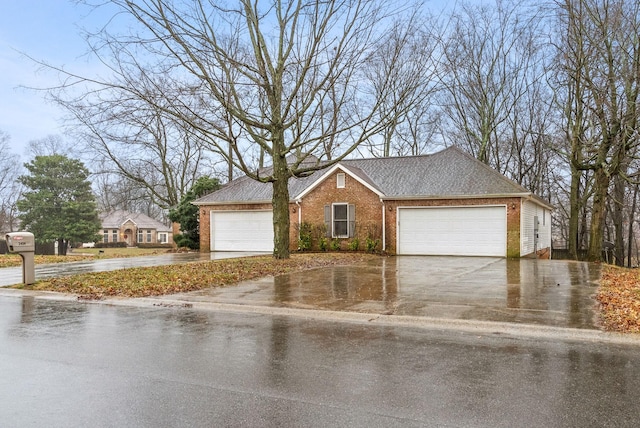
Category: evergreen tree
<point>187,214</point>
<point>58,203</point>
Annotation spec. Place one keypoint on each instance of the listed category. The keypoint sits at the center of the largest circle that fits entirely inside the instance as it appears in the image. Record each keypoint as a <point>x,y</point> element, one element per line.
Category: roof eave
<point>266,201</point>
<point>434,197</point>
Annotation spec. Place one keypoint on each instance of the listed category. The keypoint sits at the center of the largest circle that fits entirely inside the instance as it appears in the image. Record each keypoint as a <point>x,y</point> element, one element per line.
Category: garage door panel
<point>241,231</point>
<point>459,231</point>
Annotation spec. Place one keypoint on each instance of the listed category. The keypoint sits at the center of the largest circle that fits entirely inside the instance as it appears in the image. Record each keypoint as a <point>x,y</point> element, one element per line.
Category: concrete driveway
<point>542,292</point>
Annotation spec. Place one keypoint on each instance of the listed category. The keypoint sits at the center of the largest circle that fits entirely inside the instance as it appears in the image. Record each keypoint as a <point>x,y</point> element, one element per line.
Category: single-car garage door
<point>457,231</point>
<point>241,231</point>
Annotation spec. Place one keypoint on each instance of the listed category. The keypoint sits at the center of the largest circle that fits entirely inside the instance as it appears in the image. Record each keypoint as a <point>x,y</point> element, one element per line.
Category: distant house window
<point>140,235</point>
<point>544,216</point>
<point>148,236</point>
<point>114,235</point>
<point>105,236</point>
<point>341,180</point>
<point>162,238</point>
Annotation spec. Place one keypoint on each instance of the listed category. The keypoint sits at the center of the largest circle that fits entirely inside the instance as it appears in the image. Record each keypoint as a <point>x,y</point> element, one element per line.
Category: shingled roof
<point>450,173</point>
<point>115,219</point>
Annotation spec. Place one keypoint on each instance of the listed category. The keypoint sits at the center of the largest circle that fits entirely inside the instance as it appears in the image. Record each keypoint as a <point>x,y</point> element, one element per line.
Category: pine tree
<point>187,214</point>
<point>58,204</point>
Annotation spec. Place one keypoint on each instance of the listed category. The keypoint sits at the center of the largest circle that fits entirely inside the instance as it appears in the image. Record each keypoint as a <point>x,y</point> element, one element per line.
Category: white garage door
<point>458,231</point>
<point>241,231</point>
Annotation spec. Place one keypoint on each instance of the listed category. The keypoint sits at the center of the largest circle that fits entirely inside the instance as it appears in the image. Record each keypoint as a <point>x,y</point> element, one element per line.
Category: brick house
<point>446,203</point>
<point>134,228</point>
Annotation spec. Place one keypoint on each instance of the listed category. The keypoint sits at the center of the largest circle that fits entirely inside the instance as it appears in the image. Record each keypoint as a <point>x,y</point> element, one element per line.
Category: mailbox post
<point>24,243</point>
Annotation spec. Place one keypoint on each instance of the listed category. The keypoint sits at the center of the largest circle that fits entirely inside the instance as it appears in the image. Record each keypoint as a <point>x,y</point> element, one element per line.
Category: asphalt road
<point>67,364</point>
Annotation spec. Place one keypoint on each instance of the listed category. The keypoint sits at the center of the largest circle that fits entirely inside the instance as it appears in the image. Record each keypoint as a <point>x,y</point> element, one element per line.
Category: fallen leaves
<point>14,260</point>
<point>160,280</point>
<point>619,297</point>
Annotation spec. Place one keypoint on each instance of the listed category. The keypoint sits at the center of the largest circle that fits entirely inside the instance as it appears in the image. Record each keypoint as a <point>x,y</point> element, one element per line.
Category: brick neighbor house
<point>446,203</point>
<point>134,228</point>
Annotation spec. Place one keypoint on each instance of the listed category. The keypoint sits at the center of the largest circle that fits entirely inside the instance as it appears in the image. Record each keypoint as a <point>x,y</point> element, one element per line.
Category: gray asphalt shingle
<point>448,173</point>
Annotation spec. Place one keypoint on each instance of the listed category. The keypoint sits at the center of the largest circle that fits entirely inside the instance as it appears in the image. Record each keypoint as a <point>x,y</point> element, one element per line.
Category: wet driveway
<point>540,292</point>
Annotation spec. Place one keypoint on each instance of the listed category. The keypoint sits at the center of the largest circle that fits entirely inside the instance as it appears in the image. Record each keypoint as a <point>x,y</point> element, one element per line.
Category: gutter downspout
<point>384,227</point>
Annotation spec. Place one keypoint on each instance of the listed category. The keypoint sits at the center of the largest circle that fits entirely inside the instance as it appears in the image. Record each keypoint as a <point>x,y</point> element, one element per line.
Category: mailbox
<point>24,243</point>
<point>21,242</point>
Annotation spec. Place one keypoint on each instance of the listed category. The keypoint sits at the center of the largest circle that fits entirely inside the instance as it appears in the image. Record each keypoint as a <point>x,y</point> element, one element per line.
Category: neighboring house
<point>134,228</point>
<point>446,203</point>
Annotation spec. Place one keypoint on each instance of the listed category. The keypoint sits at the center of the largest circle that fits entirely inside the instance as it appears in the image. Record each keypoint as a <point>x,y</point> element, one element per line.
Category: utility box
<point>24,243</point>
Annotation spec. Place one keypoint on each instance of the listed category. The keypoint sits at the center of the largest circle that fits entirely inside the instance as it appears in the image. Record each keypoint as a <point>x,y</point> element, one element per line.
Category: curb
<point>491,328</point>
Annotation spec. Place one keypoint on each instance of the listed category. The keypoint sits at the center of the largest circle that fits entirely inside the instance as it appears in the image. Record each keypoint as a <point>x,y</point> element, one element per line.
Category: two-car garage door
<point>458,231</point>
<point>241,230</point>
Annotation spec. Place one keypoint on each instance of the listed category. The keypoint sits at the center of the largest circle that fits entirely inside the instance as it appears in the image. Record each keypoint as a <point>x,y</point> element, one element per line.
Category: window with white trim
<point>140,235</point>
<point>341,180</point>
<point>340,219</point>
<point>162,238</point>
<point>105,236</point>
<point>114,235</point>
<point>148,236</point>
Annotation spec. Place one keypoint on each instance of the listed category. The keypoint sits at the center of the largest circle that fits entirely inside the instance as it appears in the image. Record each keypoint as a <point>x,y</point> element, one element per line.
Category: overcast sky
<point>47,30</point>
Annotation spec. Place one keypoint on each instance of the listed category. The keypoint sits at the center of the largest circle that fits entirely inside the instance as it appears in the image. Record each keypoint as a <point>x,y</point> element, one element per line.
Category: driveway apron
<point>543,292</point>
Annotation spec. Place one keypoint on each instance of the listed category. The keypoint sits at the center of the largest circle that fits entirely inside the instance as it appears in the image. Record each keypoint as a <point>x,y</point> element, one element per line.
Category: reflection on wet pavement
<point>544,292</point>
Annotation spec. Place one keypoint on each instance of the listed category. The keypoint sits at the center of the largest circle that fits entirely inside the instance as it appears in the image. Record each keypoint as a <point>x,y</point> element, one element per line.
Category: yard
<point>619,297</point>
<point>79,254</point>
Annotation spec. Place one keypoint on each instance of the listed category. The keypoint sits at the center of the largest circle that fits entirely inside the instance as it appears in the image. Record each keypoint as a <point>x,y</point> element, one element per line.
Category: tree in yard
<point>273,82</point>
<point>57,203</point>
<point>599,57</point>
<point>9,188</point>
<point>187,214</point>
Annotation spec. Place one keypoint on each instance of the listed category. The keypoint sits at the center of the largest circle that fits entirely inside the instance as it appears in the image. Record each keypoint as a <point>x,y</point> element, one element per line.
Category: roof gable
<point>116,219</point>
<point>353,172</point>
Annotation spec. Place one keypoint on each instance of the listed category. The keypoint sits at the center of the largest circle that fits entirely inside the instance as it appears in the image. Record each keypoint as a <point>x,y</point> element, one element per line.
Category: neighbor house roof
<point>450,173</point>
<point>115,219</point>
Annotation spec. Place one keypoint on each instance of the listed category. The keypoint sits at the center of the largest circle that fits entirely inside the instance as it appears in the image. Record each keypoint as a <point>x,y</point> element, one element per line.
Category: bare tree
<point>133,141</point>
<point>286,76</point>
<point>10,189</point>
<point>404,65</point>
<point>495,99</point>
<point>600,56</point>
<point>53,145</point>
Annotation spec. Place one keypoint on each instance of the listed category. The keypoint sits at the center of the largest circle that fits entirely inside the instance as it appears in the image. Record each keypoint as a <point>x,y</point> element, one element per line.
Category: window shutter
<point>352,220</point>
<point>327,220</point>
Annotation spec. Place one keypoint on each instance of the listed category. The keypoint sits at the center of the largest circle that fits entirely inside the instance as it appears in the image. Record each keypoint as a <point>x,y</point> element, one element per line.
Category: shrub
<point>184,241</point>
<point>323,244</point>
<point>354,244</point>
<point>155,245</point>
<point>335,244</point>
<point>304,236</point>
<point>372,244</point>
<point>111,245</point>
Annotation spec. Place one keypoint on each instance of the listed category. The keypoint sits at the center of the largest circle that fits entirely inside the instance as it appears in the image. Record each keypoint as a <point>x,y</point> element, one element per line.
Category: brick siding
<point>368,212</point>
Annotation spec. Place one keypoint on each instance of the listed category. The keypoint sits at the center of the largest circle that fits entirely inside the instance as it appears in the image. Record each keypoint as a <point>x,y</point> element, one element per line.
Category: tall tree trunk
<point>574,214</point>
<point>600,185</point>
<point>62,247</point>
<point>632,216</point>
<point>280,207</point>
<point>619,188</point>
